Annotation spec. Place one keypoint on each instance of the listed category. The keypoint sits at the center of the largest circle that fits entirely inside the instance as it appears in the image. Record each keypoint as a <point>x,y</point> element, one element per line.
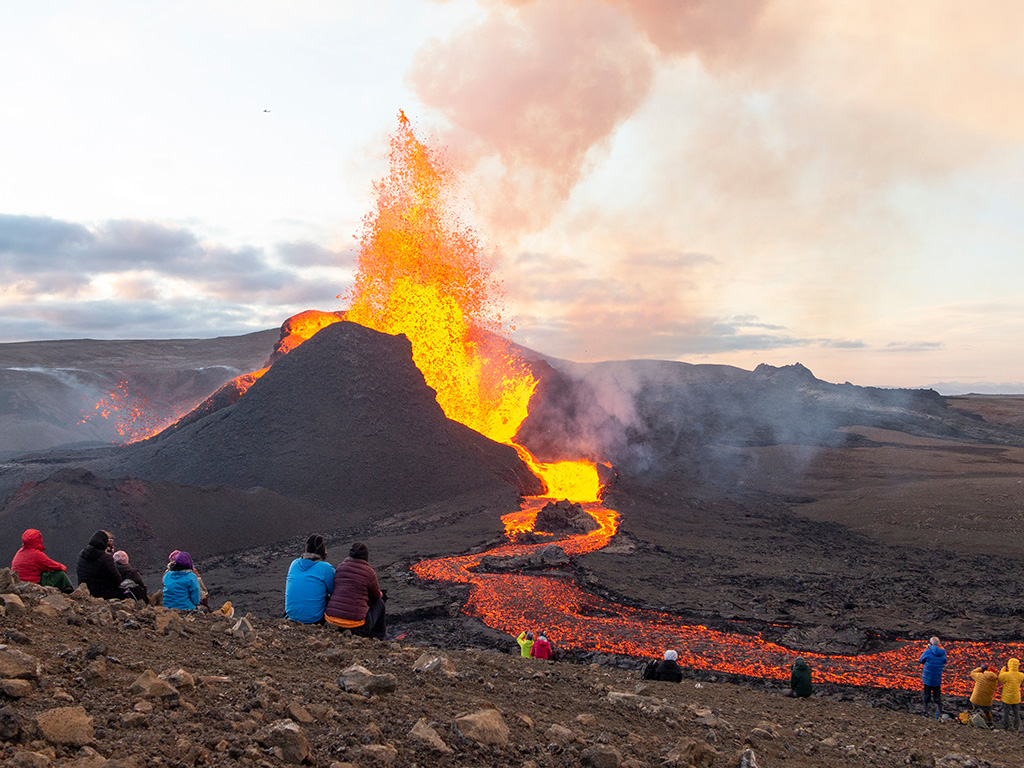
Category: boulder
<point>564,515</point>
<point>551,556</point>
<point>601,756</point>
<point>298,713</point>
<point>424,733</point>
<point>13,605</point>
<point>29,760</point>
<point>15,664</point>
<point>66,726</point>
<point>179,678</point>
<point>152,687</point>
<point>386,754</point>
<point>430,663</point>
<point>559,734</point>
<point>11,724</point>
<point>358,679</point>
<point>8,580</point>
<point>15,689</point>
<point>288,741</point>
<point>485,726</point>
<point>746,758</point>
<point>695,753</point>
<point>58,602</point>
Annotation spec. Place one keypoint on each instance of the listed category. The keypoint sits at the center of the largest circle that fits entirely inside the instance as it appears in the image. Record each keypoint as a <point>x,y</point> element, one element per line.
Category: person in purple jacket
<point>934,659</point>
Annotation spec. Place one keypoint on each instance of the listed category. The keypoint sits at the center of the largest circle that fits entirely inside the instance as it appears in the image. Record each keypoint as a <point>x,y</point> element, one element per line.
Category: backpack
<point>650,670</point>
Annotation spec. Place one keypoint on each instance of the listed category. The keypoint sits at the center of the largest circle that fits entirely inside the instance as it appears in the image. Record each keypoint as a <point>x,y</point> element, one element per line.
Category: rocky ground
<point>90,683</point>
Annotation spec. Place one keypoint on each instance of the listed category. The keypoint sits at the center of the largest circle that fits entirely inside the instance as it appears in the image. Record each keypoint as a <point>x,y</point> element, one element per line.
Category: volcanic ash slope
<point>346,422</point>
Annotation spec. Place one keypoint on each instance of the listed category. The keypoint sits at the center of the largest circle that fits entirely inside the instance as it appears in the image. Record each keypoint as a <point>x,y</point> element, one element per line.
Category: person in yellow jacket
<point>986,680</point>
<point>525,641</point>
<point>1010,679</point>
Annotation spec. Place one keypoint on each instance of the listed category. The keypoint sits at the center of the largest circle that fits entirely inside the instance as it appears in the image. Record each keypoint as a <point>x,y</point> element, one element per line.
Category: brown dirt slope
<point>273,694</point>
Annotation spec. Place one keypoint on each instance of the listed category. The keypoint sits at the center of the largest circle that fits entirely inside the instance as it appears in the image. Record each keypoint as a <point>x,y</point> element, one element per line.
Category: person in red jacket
<point>541,647</point>
<point>357,602</point>
<point>32,564</point>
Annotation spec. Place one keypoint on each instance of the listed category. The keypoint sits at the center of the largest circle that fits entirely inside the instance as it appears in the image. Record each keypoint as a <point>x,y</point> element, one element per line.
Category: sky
<point>743,182</point>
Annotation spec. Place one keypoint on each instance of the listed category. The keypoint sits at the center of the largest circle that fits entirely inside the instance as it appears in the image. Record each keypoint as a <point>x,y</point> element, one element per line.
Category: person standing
<point>541,647</point>
<point>934,660</point>
<point>32,564</point>
<point>97,570</point>
<point>525,641</point>
<point>800,684</point>
<point>1010,678</point>
<point>357,602</point>
<point>309,583</point>
<point>986,680</point>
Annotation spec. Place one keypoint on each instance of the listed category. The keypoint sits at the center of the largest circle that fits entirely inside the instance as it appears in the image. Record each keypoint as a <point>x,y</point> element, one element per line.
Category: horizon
<point>686,183</point>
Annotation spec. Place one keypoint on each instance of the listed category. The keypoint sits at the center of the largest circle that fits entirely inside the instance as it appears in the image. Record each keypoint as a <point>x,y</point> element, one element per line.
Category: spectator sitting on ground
<point>131,579</point>
<point>181,584</point>
<point>309,583</point>
<point>357,602</point>
<point>668,669</point>
<point>31,564</point>
<point>96,568</point>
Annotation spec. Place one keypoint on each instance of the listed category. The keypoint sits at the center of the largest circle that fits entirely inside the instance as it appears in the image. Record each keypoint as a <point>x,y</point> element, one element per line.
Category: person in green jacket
<point>525,641</point>
<point>800,685</point>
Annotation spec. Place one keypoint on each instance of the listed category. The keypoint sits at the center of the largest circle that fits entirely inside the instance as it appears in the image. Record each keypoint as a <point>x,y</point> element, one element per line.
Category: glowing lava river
<point>577,620</point>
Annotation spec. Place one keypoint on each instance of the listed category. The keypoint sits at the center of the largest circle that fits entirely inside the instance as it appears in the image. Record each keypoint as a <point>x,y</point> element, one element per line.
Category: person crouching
<point>357,602</point>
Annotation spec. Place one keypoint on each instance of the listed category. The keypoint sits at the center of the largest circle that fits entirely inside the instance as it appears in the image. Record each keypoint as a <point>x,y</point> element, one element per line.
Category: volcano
<point>345,422</point>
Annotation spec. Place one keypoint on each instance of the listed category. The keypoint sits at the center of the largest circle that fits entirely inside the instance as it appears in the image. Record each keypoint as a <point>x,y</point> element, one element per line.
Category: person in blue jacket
<point>181,585</point>
<point>309,583</point>
<point>934,659</point>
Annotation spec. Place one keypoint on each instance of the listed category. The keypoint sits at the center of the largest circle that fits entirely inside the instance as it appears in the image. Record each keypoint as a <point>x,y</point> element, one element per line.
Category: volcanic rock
<point>288,742</point>
<point>485,726</point>
<point>13,604</point>
<point>8,580</point>
<point>601,756</point>
<point>151,686</point>
<point>422,731</point>
<point>15,689</point>
<point>69,726</point>
<point>560,516</point>
<point>551,556</point>
<point>15,664</point>
<point>430,663</point>
<point>358,679</point>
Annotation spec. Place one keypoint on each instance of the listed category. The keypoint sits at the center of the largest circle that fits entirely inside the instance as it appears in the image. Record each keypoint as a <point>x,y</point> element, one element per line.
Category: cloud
<point>130,278</point>
<point>529,92</point>
<point>914,346</point>
<point>304,253</point>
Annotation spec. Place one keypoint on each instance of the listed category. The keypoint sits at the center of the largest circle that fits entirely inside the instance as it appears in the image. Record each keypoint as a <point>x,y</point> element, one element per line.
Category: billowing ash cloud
<point>140,278</point>
<point>533,88</point>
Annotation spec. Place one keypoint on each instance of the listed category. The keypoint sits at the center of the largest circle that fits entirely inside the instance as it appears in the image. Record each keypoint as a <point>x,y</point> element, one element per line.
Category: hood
<point>800,664</point>
<point>32,539</point>
<point>1012,665</point>
<point>100,539</point>
<point>307,561</point>
<point>936,651</point>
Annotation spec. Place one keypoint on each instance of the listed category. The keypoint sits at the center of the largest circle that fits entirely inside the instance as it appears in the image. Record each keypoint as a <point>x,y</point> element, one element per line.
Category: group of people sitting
<point>109,574</point>
<point>534,647</point>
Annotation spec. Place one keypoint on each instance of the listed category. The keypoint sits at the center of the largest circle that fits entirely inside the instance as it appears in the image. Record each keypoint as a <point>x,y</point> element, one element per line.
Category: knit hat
<point>671,655</point>
<point>316,545</point>
<point>184,559</point>
<point>100,539</point>
<point>359,551</point>
<point>121,557</point>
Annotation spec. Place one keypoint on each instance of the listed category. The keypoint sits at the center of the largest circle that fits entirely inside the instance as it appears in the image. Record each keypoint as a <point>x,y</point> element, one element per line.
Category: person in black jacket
<point>97,570</point>
<point>135,587</point>
<point>668,670</point>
